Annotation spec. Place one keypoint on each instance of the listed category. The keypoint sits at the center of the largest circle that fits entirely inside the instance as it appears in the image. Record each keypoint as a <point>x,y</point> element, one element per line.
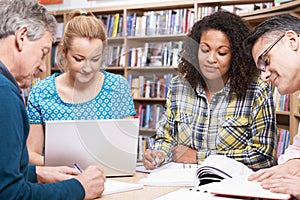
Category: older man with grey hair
<point>26,34</point>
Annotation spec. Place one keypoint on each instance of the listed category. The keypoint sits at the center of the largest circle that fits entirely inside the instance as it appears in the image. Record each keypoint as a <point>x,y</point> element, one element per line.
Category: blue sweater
<point>18,180</point>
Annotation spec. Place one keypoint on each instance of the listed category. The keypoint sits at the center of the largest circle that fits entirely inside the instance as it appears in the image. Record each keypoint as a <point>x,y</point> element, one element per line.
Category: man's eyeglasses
<point>261,63</point>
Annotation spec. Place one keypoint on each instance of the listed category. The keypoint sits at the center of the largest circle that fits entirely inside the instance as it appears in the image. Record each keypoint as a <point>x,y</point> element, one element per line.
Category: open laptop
<point>110,143</point>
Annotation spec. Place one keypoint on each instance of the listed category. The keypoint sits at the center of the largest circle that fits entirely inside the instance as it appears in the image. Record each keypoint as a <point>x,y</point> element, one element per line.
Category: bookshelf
<point>129,38</point>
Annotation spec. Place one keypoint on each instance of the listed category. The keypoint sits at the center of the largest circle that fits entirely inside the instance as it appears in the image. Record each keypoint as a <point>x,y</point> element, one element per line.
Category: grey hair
<point>272,28</point>
<point>29,13</point>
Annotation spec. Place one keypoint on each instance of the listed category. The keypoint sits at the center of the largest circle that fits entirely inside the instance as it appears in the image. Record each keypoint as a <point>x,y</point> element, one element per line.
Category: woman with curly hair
<point>217,104</point>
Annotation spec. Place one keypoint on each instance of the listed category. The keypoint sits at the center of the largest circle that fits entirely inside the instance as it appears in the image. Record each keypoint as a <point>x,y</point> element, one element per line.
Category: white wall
<point>75,4</point>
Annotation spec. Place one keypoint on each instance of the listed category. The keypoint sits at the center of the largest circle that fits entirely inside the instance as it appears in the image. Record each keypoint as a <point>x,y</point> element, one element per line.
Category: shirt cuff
<point>32,177</point>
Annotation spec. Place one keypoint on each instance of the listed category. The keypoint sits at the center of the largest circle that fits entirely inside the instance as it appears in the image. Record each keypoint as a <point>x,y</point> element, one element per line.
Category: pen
<point>77,167</point>
<point>150,146</point>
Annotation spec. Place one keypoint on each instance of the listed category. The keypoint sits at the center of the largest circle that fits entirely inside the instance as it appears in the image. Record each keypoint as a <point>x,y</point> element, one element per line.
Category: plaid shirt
<point>243,129</point>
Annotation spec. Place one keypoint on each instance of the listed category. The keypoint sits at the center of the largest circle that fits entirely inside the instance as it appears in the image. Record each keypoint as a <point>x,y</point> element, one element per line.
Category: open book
<point>227,178</point>
<point>218,167</point>
<point>213,169</point>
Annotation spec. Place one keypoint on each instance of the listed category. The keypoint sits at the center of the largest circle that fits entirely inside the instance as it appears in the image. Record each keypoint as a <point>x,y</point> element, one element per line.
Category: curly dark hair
<point>242,68</point>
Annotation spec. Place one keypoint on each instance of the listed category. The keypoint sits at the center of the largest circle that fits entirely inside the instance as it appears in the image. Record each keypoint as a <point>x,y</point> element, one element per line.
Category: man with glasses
<point>275,48</point>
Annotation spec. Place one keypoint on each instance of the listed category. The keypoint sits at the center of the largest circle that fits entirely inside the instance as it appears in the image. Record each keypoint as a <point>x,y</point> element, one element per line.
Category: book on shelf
<point>155,54</point>
<point>131,20</point>
<point>281,102</point>
<point>283,140</point>
<point>149,115</point>
<point>25,94</point>
<point>59,30</point>
<point>113,24</point>
<point>237,9</point>
<point>149,86</point>
<point>142,145</point>
<point>141,22</point>
<point>160,22</point>
<point>114,56</point>
<point>105,19</point>
<point>53,56</point>
<point>151,23</point>
<point>25,91</point>
<point>120,26</point>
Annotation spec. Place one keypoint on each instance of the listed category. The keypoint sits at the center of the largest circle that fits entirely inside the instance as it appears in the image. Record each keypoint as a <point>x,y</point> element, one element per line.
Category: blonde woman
<point>83,91</point>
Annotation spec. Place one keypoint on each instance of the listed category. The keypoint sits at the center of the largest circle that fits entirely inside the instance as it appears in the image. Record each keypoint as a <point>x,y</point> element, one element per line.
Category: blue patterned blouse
<point>114,101</point>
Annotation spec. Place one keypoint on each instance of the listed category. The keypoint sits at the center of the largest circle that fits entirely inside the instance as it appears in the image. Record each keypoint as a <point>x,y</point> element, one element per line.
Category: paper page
<point>170,165</point>
<point>142,169</point>
<point>111,186</point>
<point>195,193</point>
<point>173,174</point>
<point>241,187</point>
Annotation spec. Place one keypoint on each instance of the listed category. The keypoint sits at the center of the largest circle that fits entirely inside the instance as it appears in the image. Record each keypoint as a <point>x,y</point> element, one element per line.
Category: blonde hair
<point>80,24</point>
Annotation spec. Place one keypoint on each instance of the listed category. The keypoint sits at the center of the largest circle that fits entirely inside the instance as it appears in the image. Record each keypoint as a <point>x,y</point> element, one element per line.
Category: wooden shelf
<point>147,132</point>
<point>115,40</point>
<point>117,70</point>
<point>283,118</point>
<point>231,2</point>
<point>55,70</point>
<point>287,113</point>
<point>258,16</point>
<point>297,115</point>
<point>150,100</point>
<point>157,38</point>
<point>148,70</point>
<point>282,126</point>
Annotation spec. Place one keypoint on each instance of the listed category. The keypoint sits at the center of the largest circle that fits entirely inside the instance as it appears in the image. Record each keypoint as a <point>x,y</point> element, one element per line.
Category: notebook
<point>112,186</point>
<point>228,189</point>
<point>241,187</point>
<point>111,143</point>
<point>172,174</point>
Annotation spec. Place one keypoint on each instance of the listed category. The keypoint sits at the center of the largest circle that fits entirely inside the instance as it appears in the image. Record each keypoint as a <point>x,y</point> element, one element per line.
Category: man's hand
<point>287,184</point>
<point>92,179</point>
<point>55,174</point>
<point>291,167</point>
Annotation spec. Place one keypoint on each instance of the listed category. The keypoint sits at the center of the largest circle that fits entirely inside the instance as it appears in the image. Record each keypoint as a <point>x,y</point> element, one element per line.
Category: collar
<point>225,91</point>
<point>6,73</point>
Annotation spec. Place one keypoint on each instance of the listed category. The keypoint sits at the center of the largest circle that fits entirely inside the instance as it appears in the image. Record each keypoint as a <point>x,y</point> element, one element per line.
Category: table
<point>147,193</point>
